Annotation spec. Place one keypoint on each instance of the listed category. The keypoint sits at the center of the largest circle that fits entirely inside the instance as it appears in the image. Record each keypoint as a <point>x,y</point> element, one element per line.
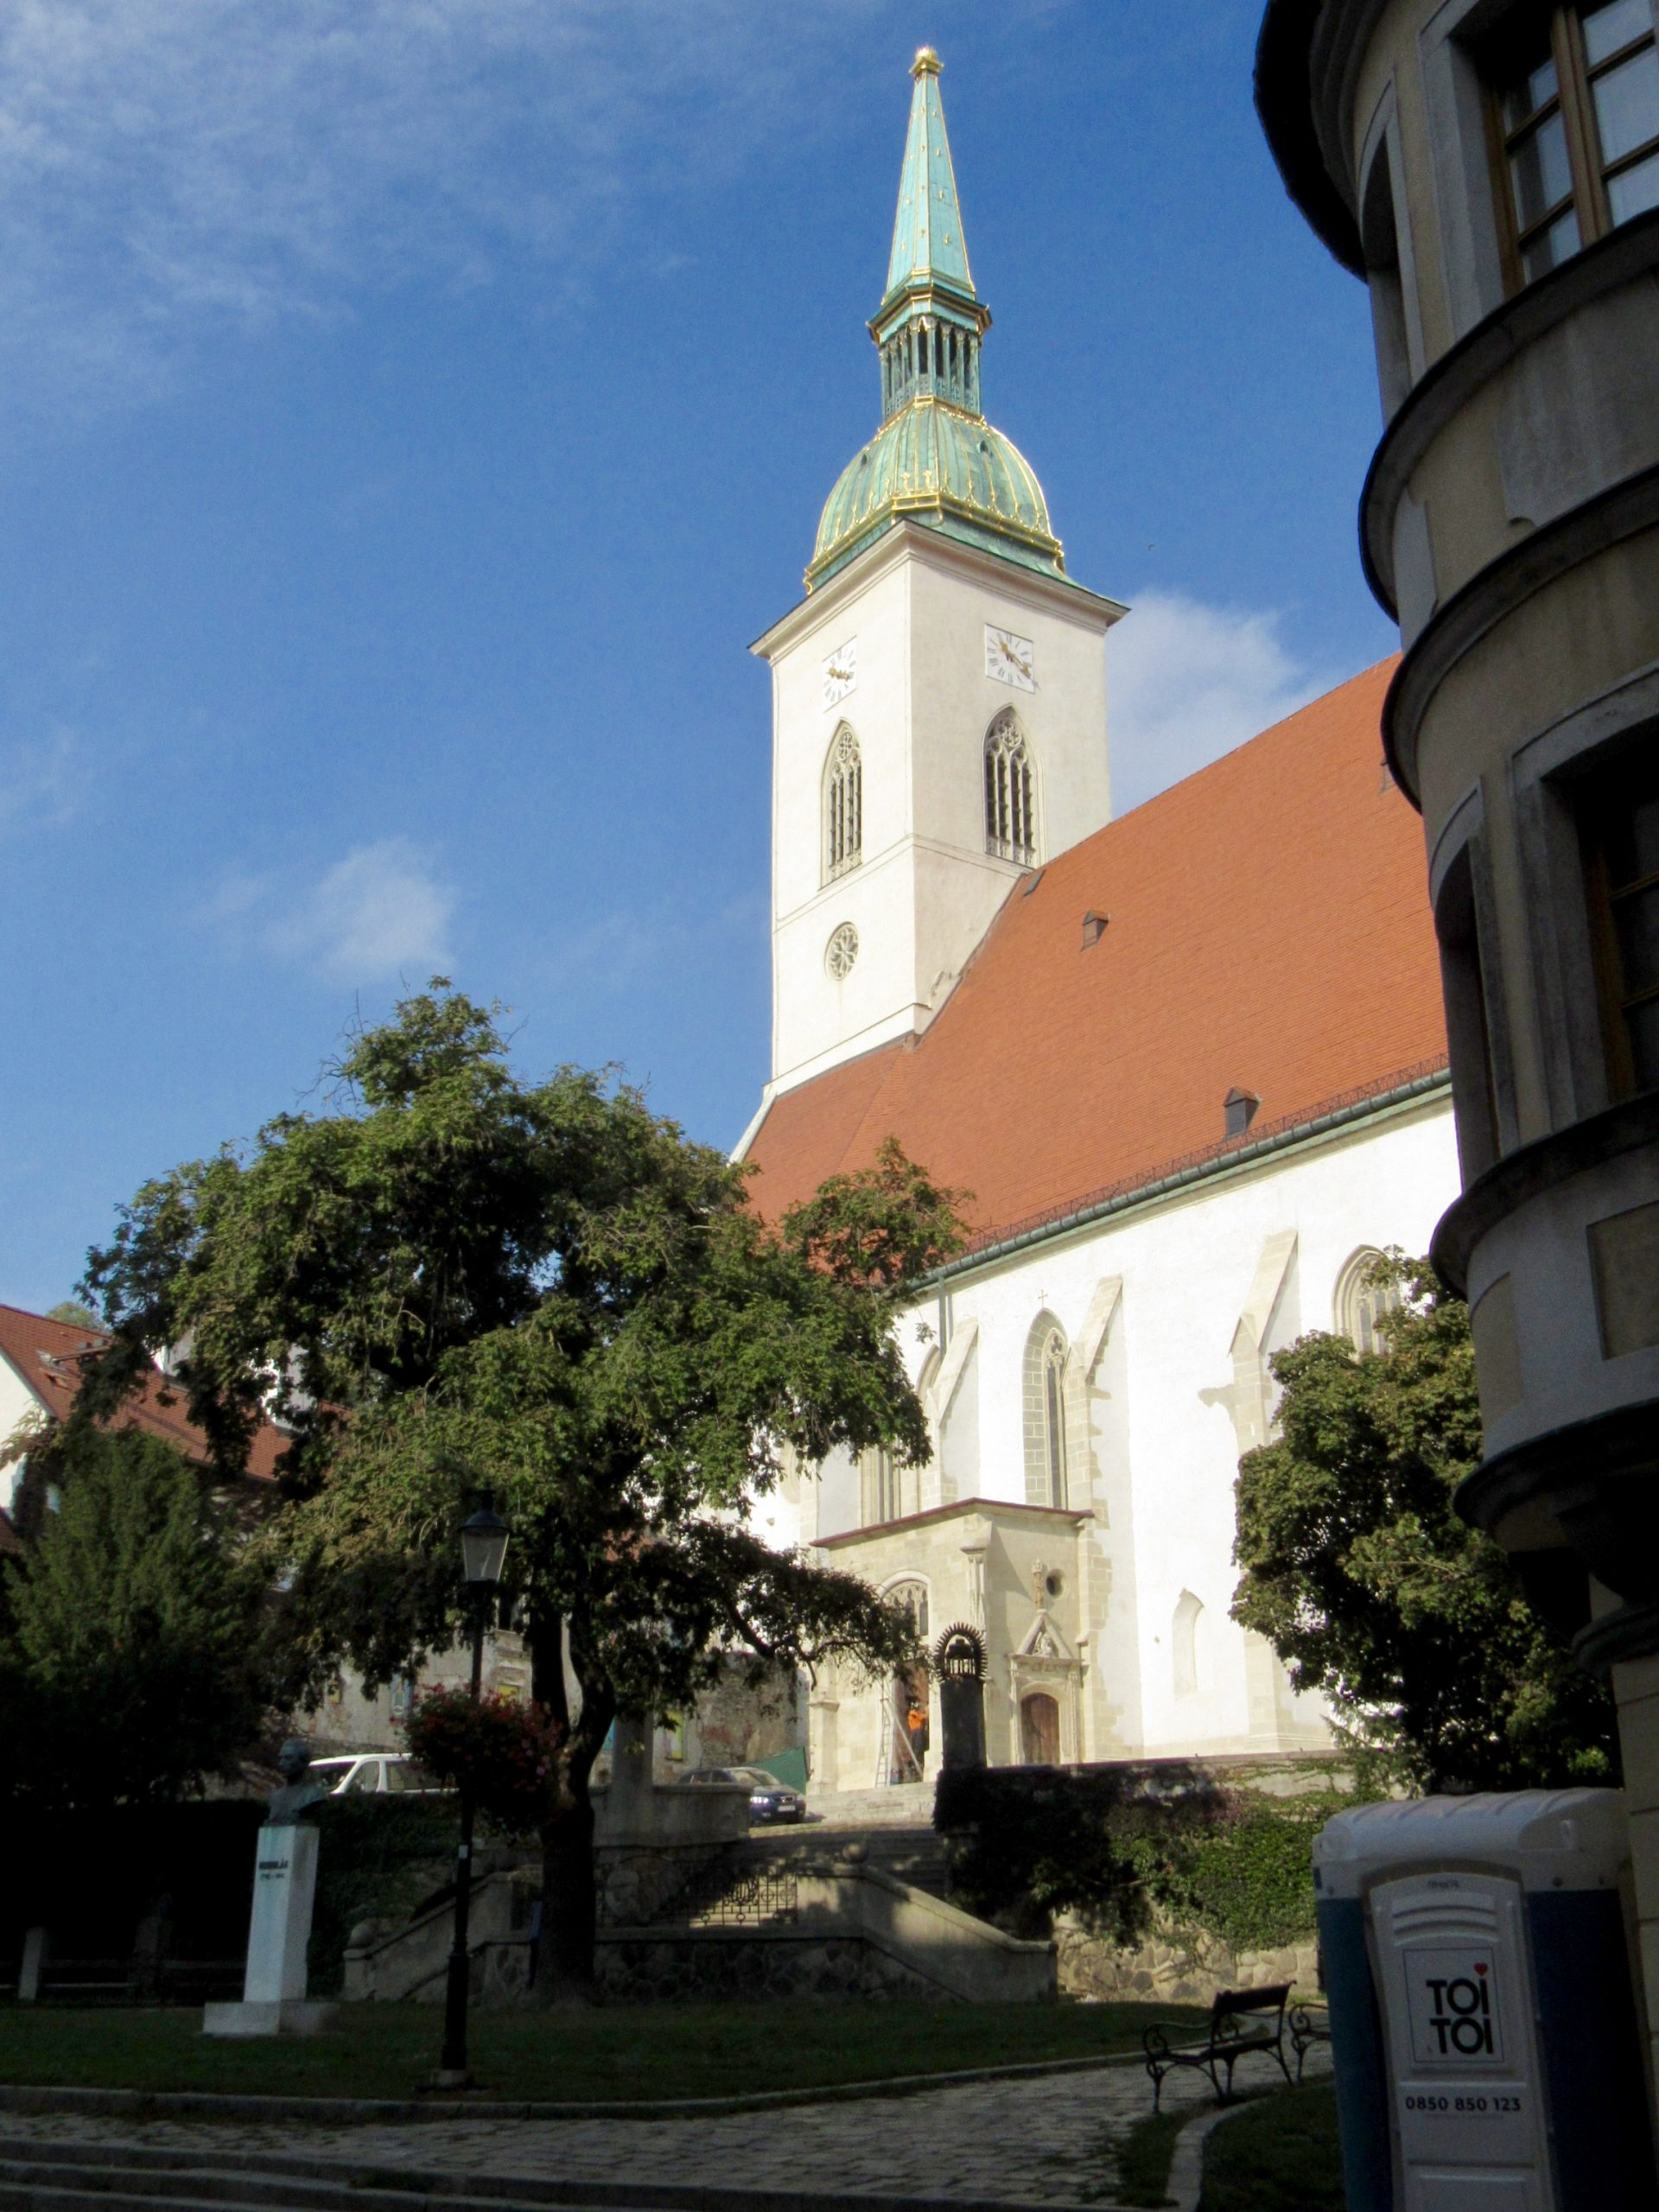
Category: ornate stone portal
<point>1043,1685</point>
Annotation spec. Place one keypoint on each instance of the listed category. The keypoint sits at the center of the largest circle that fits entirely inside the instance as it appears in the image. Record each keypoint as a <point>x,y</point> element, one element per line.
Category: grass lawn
<point>626,2052</point>
<point>1143,2158</point>
<point>1281,2154</point>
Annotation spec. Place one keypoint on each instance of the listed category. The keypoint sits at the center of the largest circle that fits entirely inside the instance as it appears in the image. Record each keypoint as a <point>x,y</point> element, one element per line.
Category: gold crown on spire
<point>926,64</point>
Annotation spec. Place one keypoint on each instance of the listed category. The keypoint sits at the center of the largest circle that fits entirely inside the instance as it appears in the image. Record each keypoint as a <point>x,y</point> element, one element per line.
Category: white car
<point>372,1774</point>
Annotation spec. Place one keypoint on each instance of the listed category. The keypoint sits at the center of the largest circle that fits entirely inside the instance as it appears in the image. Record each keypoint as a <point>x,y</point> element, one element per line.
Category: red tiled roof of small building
<point>1268,929</point>
<point>47,1355</point>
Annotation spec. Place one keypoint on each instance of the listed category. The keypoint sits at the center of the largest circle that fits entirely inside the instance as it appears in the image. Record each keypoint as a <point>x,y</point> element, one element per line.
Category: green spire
<point>927,242</point>
<point>928,326</point>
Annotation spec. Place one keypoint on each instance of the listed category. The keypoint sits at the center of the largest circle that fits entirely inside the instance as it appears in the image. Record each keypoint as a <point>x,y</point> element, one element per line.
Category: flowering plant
<point>503,1753</point>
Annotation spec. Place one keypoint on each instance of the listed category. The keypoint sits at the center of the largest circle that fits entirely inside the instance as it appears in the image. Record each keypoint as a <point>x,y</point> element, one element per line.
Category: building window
<point>1045,1422</point>
<point>844,805</point>
<point>1577,113</point>
<point>1468,1023</point>
<point>1619,824</point>
<point>841,952</point>
<point>883,1499</point>
<point>1184,1643</point>
<point>1010,820</point>
<point>1362,1300</point>
<point>911,1595</point>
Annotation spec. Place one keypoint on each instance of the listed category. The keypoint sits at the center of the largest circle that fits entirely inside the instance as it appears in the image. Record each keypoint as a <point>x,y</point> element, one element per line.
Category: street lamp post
<point>483,1549</point>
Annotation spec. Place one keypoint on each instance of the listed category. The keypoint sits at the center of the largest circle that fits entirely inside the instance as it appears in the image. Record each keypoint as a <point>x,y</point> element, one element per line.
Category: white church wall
<point>1177,1390</point>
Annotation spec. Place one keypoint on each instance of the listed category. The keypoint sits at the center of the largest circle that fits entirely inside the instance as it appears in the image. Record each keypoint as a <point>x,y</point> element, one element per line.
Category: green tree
<point>129,1646</point>
<point>458,1278</point>
<point>72,1311</point>
<point>1360,1573</point>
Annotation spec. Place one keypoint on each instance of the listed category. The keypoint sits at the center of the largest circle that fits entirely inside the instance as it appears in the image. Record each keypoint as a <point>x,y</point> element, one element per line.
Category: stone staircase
<point>890,1829</point>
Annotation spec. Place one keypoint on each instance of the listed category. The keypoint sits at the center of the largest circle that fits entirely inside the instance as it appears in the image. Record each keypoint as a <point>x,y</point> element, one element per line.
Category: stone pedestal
<point>273,1992</point>
<point>36,1945</point>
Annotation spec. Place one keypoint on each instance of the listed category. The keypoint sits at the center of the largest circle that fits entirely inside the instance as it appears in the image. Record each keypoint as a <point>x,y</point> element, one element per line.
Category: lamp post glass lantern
<point>483,1548</point>
<point>483,1553</point>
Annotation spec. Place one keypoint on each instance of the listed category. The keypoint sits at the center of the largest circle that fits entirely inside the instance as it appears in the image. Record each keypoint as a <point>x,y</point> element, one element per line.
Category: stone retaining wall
<point>1184,1969</point>
<point>656,1966</point>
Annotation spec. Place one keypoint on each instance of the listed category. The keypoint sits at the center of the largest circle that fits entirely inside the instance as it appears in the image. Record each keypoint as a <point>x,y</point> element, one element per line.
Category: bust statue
<point>294,1795</point>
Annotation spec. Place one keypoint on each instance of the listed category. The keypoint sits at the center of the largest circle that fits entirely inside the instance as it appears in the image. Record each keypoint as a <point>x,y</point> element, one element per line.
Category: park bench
<point>1305,2031</point>
<point>1241,2021</point>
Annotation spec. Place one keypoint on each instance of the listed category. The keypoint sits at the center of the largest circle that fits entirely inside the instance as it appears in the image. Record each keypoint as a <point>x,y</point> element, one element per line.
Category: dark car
<point>769,1800</point>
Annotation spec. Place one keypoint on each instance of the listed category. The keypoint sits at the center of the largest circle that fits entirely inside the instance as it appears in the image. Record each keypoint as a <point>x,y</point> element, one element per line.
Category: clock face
<point>840,672</point>
<point>1009,659</point>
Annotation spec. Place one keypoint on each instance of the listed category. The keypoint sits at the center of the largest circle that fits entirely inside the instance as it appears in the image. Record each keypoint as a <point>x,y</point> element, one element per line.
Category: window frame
<point>1048,1412</point>
<point>1358,1305</point>
<point>1007,748</point>
<point>1604,793</point>
<point>842,805</point>
<point>1588,172</point>
<point>883,1488</point>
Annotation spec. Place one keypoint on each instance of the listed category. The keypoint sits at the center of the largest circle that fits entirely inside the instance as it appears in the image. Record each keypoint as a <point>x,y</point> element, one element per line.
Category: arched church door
<point>1040,1730</point>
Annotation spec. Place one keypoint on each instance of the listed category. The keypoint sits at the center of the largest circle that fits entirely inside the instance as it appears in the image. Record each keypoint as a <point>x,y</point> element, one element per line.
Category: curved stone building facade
<point>1492,172</point>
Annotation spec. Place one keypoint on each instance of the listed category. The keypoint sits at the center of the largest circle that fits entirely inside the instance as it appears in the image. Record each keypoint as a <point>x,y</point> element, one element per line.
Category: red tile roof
<point>46,1354</point>
<point>1269,930</point>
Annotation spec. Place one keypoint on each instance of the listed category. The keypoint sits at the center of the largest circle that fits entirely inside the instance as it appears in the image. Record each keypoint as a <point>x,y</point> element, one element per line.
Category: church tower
<point>938,696</point>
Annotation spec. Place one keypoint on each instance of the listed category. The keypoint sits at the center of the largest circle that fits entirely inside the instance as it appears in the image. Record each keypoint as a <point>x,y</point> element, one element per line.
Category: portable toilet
<point>1483,2024</point>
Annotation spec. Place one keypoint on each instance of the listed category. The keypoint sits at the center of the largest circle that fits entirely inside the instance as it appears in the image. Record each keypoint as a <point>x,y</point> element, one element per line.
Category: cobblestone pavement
<point>1046,2139</point>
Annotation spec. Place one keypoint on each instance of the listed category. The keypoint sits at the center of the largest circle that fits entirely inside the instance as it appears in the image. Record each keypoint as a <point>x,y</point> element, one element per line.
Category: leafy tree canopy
<point>457,1278</point>
<point>129,1646</point>
<point>72,1311</point>
<point>1371,1588</point>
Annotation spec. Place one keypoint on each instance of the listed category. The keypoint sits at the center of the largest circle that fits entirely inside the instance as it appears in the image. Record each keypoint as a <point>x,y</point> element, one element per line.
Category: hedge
<point>1129,1848</point>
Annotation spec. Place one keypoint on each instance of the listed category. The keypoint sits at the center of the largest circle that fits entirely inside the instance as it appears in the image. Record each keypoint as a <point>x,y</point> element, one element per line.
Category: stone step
<point>35,2186</point>
<point>86,2177</point>
<point>908,1804</point>
<point>912,1855</point>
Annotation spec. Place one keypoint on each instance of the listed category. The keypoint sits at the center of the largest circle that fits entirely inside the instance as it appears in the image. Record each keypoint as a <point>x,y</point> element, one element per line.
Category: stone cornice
<point>991,1509</point>
<point>1482,353</point>
<point>1394,1097</point>
<point>1554,550</point>
<point>1630,1126</point>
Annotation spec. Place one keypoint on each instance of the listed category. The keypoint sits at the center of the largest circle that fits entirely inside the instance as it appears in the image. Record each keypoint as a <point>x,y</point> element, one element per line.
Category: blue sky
<point>407,416</point>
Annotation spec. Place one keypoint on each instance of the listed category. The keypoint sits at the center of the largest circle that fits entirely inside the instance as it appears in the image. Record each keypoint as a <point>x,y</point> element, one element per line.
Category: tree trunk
<point>565,1970</point>
<point>564,1967</point>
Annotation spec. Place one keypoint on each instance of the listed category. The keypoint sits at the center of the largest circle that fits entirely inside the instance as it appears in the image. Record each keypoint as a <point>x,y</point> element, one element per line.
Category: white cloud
<point>41,784</point>
<point>381,911</point>
<point>169,167</point>
<point>1186,683</point>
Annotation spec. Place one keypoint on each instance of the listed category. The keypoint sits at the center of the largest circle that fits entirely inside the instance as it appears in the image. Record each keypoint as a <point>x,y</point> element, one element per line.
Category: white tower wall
<point>915,608</point>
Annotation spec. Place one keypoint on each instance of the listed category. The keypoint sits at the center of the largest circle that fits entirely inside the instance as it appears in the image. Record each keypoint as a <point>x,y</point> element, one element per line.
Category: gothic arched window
<point>1010,814</point>
<point>1362,1300</point>
<point>1046,1357</point>
<point>882,1485</point>
<point>911,1592</point>
<point>844,805</point>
